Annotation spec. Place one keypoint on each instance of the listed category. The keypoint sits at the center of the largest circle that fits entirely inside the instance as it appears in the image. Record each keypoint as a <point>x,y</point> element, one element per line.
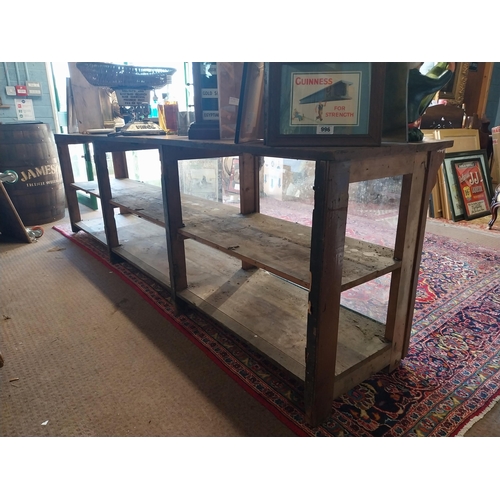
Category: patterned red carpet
<point>450,377</point>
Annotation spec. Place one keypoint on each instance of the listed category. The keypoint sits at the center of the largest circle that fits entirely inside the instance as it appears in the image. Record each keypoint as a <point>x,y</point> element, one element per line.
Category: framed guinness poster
<point>324,104</point>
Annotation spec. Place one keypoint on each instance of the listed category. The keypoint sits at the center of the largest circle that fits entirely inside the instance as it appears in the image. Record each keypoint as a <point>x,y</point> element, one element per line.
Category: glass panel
<point>373,217</point>
<point>201,178</point>
<point>144,166</point>
<point>286,190</point>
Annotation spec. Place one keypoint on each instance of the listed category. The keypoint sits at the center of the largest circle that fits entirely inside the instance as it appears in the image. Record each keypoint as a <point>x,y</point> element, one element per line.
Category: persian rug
<point>450,378</point>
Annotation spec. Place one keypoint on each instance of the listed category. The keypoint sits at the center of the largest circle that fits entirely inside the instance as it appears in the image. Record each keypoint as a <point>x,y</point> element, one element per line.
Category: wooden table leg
<point>327,253</point>
<point>120,169</point>
<point>406,244</point>
<point>409,239</point>
<point>108,214</point>
<point>399,246</point>
<point>173,222</point>
<point>434,161</point>
<point>68,179</point>
<point>249,189</point>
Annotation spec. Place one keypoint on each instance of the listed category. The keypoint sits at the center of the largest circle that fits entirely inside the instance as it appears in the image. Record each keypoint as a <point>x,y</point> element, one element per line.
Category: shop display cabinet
<point>276,284</point>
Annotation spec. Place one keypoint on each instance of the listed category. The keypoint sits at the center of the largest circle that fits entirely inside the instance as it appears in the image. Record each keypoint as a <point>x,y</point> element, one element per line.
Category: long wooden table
<point>274,283</point>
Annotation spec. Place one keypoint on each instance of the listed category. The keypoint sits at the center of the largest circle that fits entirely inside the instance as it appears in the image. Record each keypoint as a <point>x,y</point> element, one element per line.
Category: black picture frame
<point>469,182</point>
<point>324,104</point>
<point>206,102</point>
<point>452,189</point>
<point>250,120</point>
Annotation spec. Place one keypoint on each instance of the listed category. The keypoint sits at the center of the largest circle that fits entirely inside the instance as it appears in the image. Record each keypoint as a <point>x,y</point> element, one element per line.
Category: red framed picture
<point>474,185</point>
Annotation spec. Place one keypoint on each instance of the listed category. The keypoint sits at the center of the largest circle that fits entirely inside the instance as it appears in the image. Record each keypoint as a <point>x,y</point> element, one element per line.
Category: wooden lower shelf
<point>278,246</point>
<point>263,309</point>
<point>281,247</point>
<point>89,187</point>
<point>94,227</point>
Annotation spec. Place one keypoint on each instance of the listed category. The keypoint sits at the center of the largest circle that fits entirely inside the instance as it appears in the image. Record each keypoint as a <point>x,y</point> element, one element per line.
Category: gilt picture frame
<point>454,90</point>
<point>324,104</point>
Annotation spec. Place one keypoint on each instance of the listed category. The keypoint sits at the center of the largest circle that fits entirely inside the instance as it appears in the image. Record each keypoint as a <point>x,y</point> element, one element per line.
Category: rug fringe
<point>476,419</point>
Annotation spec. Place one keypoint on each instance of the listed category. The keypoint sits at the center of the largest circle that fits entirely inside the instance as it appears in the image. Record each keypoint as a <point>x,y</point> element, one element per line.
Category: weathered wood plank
<point>399,247</point>
<point>196,149</point>
<point>265,310</point>
<point>142,203</point>
<point>433,164</point>
<point>68,179</point>
<point>94,227</point>
<point>279,246</point>
<point>361,371</point>
<point>370,168</point>
<point>90,187</point>
<point>331,188</point>
<point>263,247</point>
<point>249,189</point>
<point>407,244</point>
<point>105,195</point>
<point>172,211</point>
<point>120,164</point>
<point>249,184</point>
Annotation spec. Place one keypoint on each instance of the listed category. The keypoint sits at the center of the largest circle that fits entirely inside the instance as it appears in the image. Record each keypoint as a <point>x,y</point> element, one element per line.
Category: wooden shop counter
<point>275,283</point>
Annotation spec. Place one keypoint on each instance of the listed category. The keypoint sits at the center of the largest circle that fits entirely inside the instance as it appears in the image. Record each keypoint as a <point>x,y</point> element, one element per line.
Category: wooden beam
<point>249,189</point>
<point>327,252</point>
<point>68,179</point>
<point>249,184</point>
<point>388,166</point>
<point>101,165</point>
<point>434,162</point>
<point>402,279</point>
<point>120,164</point>
<point>173,221</point>
<point>404,208</point>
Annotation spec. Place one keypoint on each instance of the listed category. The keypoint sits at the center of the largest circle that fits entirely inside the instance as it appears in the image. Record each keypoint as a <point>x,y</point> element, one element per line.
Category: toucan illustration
<point>334,92</point>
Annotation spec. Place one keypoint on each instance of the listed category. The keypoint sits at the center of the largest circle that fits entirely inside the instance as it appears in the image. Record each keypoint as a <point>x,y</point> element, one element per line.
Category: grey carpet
<point>85,356</point>
<point>85,353</point>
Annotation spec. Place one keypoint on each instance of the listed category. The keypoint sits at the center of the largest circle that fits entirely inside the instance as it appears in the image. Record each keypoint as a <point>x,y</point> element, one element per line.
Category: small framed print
<point>324,104</point>
<point>473,182</point>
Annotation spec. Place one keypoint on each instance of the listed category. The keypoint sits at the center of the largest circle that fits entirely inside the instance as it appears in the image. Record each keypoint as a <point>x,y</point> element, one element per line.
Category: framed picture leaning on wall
<point>324,104</point>
<point>469,183</point>
<point>250,122</point>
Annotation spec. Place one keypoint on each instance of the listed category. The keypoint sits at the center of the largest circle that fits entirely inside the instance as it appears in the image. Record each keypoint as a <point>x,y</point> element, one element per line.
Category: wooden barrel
<point>30,150</point>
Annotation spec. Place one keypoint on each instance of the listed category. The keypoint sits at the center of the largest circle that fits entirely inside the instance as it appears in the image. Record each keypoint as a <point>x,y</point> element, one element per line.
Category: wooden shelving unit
<point>275,283</point>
